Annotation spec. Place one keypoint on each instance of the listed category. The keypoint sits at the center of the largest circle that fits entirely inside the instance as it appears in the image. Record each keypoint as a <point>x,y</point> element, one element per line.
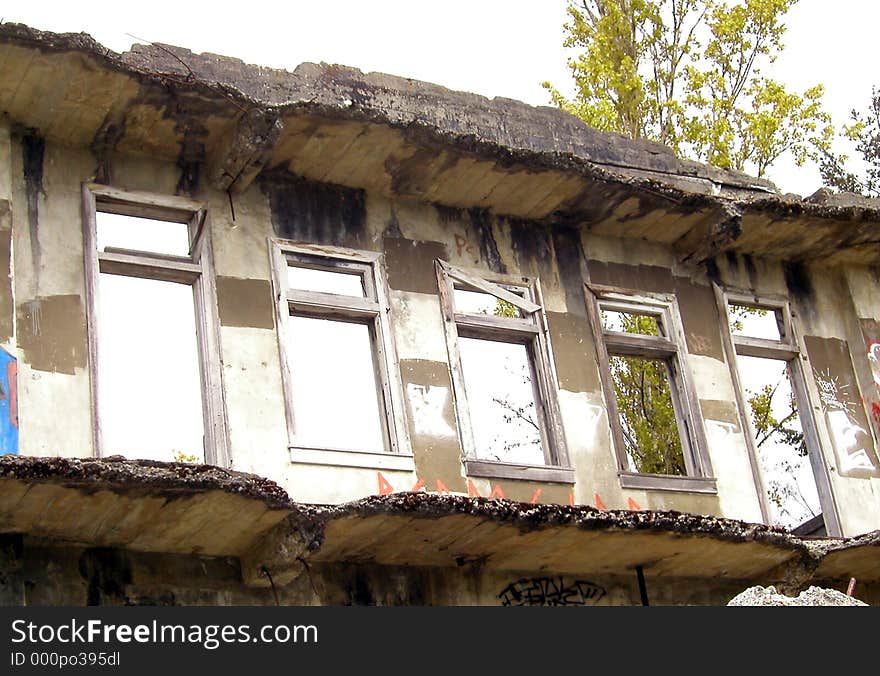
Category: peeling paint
<point>6,290</point>
<point>410,264</point>
<point>245,303</point>
<point>574,352</point>
<point>51,333</point>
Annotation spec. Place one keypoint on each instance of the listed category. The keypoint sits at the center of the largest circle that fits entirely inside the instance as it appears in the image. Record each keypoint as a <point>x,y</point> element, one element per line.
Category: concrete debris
<point>812,596</point>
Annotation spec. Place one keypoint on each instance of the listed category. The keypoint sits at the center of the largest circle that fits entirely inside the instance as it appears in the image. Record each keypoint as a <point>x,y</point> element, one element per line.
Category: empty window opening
<point>782,453</point>
<point>500,385</point>
<point>340,385</point>
<point>153,343</point>
<point>335,389</point>
<point>774,402</point>
<point>150,393</point>
<point>325,281</point>
<point>468,301</point>
<point>132,233</point>
<point>502,376</point>
<point>755,322</point>
<point>648,417</point>
<point>631,322</point>
<point>655,421</point>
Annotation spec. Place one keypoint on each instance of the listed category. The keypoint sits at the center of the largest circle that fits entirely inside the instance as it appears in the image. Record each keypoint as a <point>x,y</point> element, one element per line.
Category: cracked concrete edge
<point>548,138</point>
<point>118,474</point>
<point>303,531</point>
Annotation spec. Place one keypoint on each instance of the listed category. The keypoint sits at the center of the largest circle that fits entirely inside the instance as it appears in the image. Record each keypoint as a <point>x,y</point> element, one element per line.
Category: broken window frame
<point>670,347</point>
<point>789,349</point>
<point>531,331</point>
<point>373,310</point>
<point>195,270</point>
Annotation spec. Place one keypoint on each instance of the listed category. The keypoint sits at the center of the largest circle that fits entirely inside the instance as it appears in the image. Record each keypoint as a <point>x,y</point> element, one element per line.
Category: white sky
<point>492,47</point>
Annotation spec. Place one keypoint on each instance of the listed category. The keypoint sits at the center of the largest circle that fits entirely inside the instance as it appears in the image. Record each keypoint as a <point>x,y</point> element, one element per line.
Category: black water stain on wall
<point>318,213</point>
<point>712,270</point>
<point>751,270</point>
<point>797,280</point>
<point>33,148</point>
<point>569,257</point>
<point>106,572</point>
<point>392,227</point>
<point>532,247</point>
<point>481,221</point>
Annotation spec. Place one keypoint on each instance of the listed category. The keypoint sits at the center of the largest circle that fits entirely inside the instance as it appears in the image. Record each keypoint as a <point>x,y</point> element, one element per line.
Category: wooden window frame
<point>789,349</point>
<point>372,310</point>
<point>195,269</point>
<point>534,334</point>
<point>672,349</point>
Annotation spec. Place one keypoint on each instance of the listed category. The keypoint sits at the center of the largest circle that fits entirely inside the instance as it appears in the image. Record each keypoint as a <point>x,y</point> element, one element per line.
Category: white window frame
<point>671,348</point>
<point>531,332</point>
<point>372,310</point>
<point>788,348</point>
<point>195,270</point>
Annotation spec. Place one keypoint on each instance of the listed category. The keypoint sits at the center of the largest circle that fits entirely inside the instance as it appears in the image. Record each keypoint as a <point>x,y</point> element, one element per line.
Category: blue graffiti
<point>8,403</point>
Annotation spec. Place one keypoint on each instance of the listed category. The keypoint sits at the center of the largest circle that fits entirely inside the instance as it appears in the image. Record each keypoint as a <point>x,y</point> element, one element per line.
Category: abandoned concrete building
<point>326,337</point>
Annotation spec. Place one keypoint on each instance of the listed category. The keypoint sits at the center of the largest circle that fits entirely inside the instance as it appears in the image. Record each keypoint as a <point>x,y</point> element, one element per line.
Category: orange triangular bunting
<point>599,503</point>
<point>441,487</point>
<point>633,505</point>
<point>536,496</point>
<point>384,487</point>
<point>472,490</point>
<point>497,492</point>
<point>418,485</point>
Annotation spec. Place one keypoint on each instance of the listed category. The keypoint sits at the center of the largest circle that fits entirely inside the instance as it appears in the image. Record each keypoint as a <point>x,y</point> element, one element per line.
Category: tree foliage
<point>864,132</point>
<point>689,74</point>
<point>644,401</point>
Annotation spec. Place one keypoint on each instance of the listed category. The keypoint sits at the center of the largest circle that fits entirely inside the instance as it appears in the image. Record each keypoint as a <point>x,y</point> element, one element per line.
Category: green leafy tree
<point>644,401</point>
<point>689,74</point>
<point>864,132</point>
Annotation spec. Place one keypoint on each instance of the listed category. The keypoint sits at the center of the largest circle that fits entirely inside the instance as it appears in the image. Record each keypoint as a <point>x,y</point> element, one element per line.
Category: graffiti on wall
<point>8,403</point>
<point>550,591</point>
<point>850,439</point>
<point>874,361</point>
<point>845,415</point>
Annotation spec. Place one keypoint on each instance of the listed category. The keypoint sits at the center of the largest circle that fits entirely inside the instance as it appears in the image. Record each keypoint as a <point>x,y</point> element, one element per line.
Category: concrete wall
<point>34,574</point>
<point>50,339</point>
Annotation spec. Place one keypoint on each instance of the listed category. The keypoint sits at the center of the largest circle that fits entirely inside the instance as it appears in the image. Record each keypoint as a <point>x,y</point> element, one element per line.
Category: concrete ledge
<point>202,510</point>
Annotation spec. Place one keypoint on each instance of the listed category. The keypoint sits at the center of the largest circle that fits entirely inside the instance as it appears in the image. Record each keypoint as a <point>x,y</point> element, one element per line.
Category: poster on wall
<point>8,403</point>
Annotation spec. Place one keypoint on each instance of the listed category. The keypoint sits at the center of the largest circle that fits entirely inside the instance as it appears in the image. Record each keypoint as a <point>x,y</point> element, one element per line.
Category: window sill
<point>503,470</point>
<point>339,458</point>
<point>663,482</point>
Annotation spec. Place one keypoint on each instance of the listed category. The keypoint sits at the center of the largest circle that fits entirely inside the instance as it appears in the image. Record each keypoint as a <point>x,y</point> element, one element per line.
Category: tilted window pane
<point>500,389</point>
<point>325,281</point>
<point>479,303</point>
<point>335,387</point>
<point>779,438</point>
<point>753,322</point>
<point>149,381</point>
<point>142,234</point>
<point>628,322</point>
<point>647,415</point>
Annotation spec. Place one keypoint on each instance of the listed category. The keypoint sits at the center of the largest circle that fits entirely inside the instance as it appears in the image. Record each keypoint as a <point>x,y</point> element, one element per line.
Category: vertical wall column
<point>8,358</point>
